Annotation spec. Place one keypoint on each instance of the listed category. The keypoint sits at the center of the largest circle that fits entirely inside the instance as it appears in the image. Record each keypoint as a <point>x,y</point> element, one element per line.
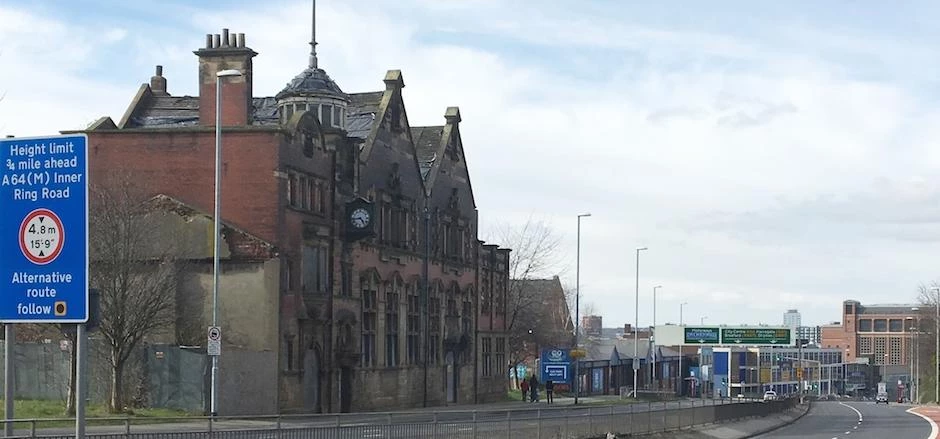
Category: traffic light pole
<point>800,372</point>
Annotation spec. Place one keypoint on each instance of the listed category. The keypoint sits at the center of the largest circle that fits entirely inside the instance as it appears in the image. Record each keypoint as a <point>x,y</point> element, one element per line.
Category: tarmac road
<point>855,420</point>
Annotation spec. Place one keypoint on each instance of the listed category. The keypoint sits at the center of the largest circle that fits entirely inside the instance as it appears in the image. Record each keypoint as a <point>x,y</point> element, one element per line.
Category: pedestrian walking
<point>533,389</point>
<point>524,387</point>
<point>549,391</point>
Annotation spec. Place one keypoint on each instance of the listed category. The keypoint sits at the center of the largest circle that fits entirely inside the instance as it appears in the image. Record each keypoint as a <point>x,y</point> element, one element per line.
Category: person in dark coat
<point>534,389</point>
<point>549,388</point>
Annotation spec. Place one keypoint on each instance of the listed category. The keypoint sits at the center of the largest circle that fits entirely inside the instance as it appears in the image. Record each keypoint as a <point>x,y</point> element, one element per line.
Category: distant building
<point>809,334</point>
<point>641,333</point>
<point>880,333</point>
<point>546,320</point>
<point>791,318</point>
<point>591,325</point>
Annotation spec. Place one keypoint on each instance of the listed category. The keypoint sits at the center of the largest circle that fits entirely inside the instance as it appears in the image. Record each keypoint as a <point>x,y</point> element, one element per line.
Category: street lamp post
<point>936,366</point>
<point>577,310</point>
<point>216,222</point>
<point>917,366</point>
<point>910,356</point>
<point>636,324</point>
<point>653,337</point>
<point>679,372</point>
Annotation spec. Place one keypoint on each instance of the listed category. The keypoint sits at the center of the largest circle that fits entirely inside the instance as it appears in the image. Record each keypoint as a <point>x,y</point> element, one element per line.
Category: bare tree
<point>135,272</point>
<point>926,340</point>
<point>535,256</point>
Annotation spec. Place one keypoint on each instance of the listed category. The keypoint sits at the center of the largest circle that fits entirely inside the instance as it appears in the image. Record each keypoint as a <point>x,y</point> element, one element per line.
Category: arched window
<point>414,323</point>
<point>369,286</point>
<point>466,313</point>
<point>392,290</point>
<point>434,326</point>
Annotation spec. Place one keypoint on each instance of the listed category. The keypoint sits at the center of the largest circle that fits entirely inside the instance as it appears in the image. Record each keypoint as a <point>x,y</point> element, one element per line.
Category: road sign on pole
<point>755,336</point>
<point>717,335</point>
<point>44,229</point>
<point>214,341</point>
<point>694,335</point>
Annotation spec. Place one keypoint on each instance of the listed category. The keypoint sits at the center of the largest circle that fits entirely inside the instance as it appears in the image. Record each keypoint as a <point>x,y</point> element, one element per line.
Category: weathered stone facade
<point>357,326</point>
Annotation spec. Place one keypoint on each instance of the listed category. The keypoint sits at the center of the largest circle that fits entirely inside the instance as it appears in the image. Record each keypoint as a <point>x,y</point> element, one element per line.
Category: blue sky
<point>772,156</point>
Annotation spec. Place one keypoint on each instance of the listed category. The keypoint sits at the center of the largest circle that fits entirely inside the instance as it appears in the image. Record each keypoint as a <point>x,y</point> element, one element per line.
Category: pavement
<point>857,420</point>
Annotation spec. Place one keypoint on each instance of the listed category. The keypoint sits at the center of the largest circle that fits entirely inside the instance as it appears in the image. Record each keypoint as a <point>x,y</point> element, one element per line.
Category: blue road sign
<point>44,229</point>
<point>555,365</point>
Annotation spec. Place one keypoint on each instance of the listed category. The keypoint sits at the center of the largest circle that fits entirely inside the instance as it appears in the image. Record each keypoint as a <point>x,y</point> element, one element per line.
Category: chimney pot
<point>208,41</point>
<point>159,70</point>
<point>233,40</point>
<point>241,40</point>
<point>224,37</point>
<point>216,43</point>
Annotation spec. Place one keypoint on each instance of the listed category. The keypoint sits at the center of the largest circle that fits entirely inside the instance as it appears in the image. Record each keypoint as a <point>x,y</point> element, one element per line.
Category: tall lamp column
<point>576,382</point>
<point>636,325</point>
<point>216,222</point>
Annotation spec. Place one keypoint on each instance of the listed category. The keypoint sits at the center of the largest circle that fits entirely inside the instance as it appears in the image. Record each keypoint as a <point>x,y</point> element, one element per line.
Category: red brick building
<point>342,197</point>
<point>882,333</point>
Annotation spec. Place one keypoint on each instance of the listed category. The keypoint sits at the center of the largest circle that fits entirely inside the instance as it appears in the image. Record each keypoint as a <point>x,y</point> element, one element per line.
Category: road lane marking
<point>855,410</point>
<point>933,425</point>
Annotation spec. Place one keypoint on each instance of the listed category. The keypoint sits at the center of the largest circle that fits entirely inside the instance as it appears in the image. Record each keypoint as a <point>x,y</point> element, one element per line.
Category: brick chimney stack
<point>158,83</point>
<point>225,52</point>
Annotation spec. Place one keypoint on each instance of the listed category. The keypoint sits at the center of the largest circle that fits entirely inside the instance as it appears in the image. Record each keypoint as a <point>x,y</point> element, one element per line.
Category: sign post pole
<point>81,346</point>
<point>9,380</point>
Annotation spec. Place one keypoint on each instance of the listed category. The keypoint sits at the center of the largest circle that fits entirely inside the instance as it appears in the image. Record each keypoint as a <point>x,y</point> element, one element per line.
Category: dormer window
<point>329,115</point>
<point>326,115</point>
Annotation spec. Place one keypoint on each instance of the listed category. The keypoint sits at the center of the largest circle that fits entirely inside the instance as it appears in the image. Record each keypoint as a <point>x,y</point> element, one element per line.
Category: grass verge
<point>50,414</point>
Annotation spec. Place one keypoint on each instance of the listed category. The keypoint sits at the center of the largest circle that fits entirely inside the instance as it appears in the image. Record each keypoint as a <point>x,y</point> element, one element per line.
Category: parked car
<point>881,398</point>
<point>770,395</point>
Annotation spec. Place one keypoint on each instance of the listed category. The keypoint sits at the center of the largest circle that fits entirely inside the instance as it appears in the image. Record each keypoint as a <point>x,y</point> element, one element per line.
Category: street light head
<point>227,73</point>
<point>583,215</point>
<point>642,248</point>
<point>657,286</point>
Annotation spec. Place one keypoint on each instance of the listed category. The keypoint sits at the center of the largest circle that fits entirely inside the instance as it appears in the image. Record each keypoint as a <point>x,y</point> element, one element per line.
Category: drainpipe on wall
<point>426,295</point>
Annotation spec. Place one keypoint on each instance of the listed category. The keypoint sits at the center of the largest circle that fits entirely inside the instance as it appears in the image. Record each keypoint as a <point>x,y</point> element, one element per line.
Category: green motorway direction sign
<point>700,335</point>
<point>752,336</point>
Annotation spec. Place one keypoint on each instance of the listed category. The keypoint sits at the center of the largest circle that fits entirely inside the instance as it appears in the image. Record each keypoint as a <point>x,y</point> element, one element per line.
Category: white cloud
<point>750,168</point>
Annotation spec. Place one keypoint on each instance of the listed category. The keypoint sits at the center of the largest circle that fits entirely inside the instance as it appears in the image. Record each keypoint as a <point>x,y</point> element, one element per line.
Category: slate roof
<point>312,82</point>
<point>167,111</point>
<point>183,111</point>
<point>427,142</point>
<point>603,349</point>
<point>362,112</point>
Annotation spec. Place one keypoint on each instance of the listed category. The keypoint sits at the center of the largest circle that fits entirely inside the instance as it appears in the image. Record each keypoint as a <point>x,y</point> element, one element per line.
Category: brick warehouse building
<point>881,333</point>
<point>325,200</point>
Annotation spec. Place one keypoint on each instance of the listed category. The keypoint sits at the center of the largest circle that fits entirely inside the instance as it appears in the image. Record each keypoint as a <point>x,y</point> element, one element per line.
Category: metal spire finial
<point>313,37</point>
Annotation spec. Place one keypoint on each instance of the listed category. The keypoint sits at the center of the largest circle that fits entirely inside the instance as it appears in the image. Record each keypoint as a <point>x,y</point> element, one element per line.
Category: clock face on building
<point>359,218</point>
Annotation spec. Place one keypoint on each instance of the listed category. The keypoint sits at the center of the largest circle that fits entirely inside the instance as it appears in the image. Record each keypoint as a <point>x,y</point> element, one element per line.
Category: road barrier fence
<point>542,422</point>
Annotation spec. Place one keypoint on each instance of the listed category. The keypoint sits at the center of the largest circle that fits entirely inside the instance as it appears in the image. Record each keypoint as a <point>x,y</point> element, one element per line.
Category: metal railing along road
<point>569,422</point>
